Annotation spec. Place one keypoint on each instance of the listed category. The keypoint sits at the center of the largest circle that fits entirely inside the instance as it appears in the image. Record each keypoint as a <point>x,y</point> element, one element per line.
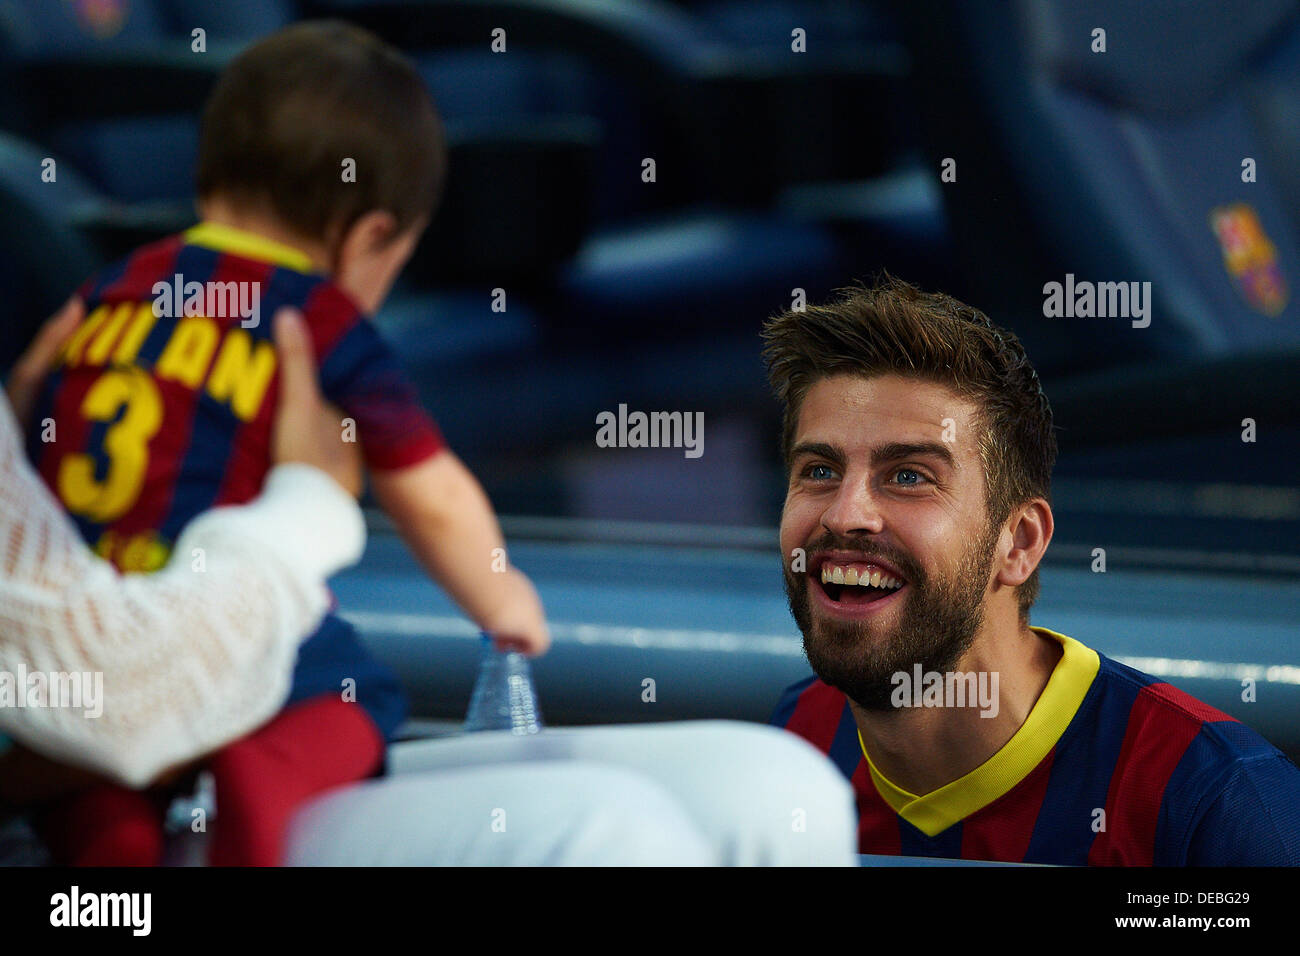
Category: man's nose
<point>854,509</point>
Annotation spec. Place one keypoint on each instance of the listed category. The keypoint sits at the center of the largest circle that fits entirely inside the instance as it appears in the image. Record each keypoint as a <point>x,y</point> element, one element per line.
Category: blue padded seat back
<point>32,28</point>
<point>228,19</point>
<point>130,158</point>
<point>1122,166</point>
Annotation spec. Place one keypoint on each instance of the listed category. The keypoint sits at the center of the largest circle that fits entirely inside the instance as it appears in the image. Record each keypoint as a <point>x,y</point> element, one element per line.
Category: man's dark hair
<point>291,108</point>
<point>894,327</point>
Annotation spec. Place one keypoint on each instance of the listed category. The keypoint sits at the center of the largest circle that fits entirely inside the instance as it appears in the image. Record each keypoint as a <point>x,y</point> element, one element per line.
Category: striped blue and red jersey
<point>1112,767</point>
<point>163,401</point>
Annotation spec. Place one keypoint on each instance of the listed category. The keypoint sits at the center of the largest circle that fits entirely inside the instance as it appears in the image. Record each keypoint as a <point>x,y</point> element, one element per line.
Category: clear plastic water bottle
<point>503,698</point>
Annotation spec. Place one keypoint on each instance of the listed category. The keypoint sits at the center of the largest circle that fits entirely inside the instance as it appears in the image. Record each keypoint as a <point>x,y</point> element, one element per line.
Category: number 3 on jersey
<point>133,394</point>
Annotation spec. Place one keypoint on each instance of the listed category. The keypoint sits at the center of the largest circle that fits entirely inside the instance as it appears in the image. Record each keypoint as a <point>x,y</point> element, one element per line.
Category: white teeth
<point>835,574</point>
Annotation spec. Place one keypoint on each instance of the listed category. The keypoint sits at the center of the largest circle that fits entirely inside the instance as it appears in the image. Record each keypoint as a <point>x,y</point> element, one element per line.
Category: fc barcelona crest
<point>1250,257</point>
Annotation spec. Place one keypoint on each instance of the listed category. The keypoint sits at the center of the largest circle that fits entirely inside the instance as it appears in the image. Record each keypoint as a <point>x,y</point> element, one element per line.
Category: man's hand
<point>306,429</point>
<point>35,363</point>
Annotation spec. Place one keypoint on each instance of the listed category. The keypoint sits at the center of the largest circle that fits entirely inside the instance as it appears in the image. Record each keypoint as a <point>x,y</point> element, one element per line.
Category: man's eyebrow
<point>818,449</point>
<point>896,450</point>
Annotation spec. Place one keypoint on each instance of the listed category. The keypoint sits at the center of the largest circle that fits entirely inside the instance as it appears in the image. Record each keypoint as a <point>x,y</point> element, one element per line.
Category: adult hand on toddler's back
<point>307,429</point>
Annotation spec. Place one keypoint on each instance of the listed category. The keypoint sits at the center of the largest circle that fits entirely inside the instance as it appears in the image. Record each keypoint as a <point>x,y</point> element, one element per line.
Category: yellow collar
<point>250,245</point>
<point>1051,714</point>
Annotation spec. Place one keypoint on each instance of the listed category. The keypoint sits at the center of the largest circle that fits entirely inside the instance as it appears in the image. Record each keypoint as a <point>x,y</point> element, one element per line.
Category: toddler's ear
<point>370,254</point>
<point>369,234</point>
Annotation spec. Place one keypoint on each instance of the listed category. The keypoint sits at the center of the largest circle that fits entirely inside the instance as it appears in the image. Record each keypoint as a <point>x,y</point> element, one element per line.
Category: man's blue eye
<point>916,477</point>
<point>820,473</point>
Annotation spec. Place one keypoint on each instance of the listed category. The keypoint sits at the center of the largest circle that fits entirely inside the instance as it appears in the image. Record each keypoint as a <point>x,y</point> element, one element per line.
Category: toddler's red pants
<point>261,782</point>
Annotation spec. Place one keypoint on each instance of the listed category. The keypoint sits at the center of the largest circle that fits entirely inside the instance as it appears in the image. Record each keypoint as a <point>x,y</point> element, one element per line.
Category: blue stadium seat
<point>1094,164</point>
<point>32,27</point>
<point>630,60</point>
<point>106,86</point>
<point>44,252</point>
<point>228,21</point>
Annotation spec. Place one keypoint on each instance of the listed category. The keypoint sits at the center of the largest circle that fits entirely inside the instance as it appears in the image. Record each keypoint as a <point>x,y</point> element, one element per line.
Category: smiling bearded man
<point>919,449</point>
<point>937,620</point>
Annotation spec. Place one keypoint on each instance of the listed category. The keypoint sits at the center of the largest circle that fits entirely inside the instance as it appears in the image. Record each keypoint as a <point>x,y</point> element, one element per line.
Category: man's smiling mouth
<point>856,583</point>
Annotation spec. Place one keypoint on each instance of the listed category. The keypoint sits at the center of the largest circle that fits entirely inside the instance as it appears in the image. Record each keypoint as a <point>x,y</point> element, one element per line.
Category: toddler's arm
<point>447,521</point>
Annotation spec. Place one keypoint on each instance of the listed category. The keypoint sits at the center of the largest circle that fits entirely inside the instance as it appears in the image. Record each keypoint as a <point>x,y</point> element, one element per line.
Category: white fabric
<point>564,813</point>
<point>193,656</point>
<point>754,794</point>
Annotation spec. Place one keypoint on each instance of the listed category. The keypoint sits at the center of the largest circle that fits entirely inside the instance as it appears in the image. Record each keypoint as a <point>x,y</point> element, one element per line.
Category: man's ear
<point>1030,526</point>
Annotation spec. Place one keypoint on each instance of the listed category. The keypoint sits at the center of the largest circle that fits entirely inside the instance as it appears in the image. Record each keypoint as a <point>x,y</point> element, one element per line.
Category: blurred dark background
<point>798,145</point>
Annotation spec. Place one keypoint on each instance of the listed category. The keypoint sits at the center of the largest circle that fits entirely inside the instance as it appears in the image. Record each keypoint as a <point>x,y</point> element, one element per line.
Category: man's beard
<point>937,623</point>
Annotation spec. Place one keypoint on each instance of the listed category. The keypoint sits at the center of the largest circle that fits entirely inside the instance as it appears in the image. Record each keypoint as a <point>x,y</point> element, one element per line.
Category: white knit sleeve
<point>188,658</point>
